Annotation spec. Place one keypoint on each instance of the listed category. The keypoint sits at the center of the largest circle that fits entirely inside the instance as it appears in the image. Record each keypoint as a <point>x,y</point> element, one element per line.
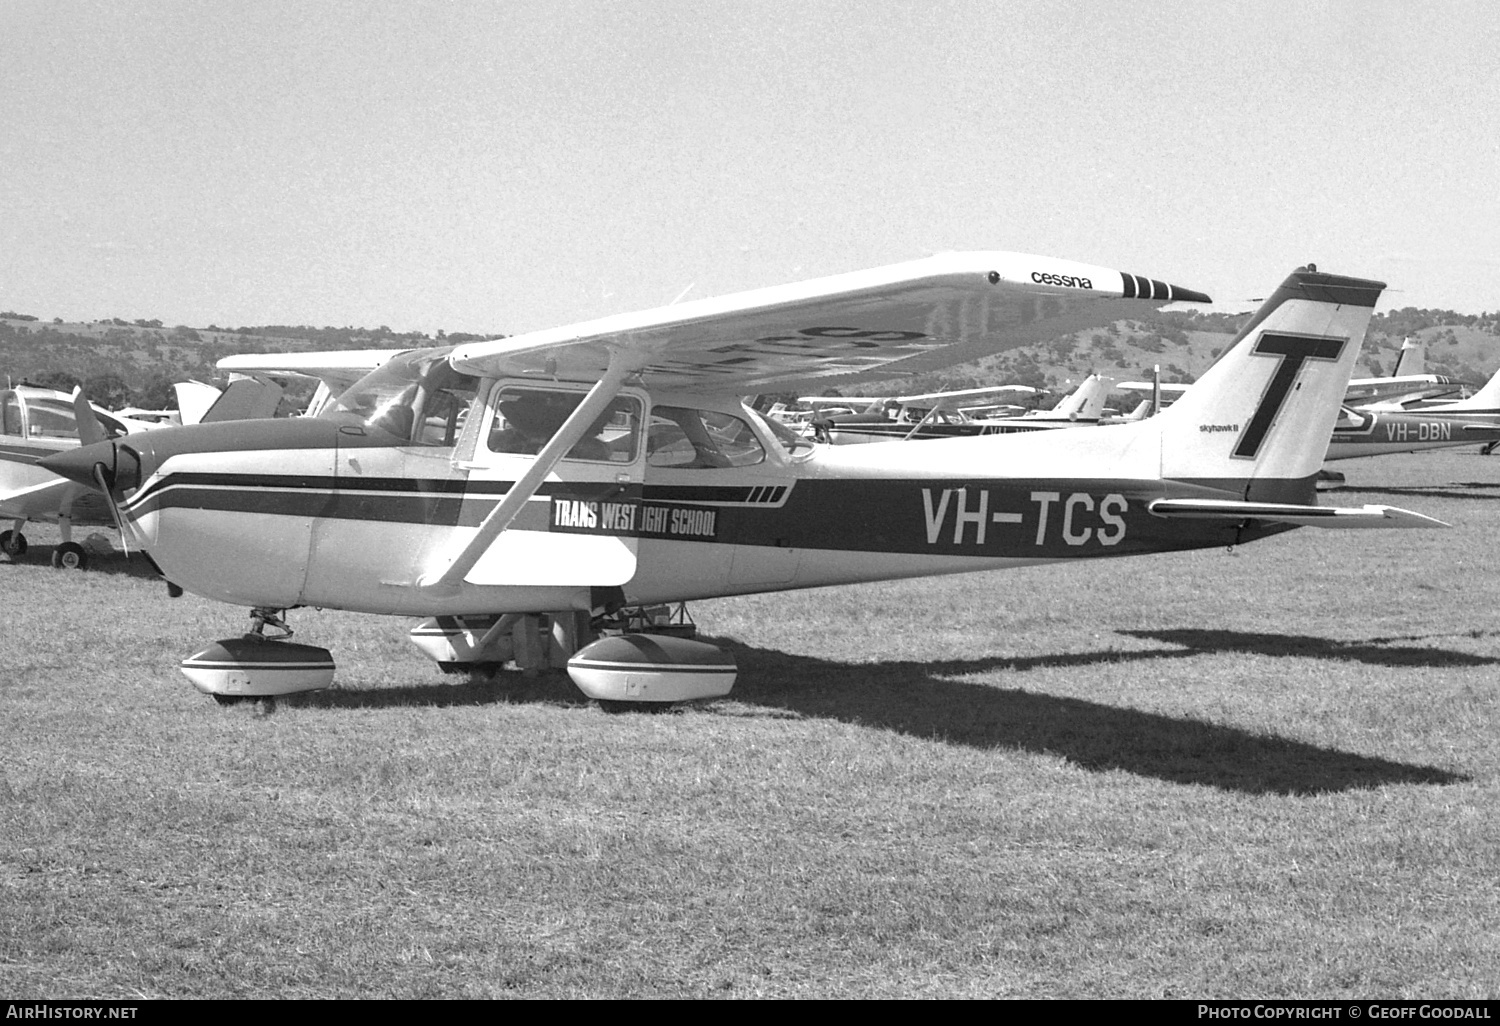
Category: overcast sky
<point>510,166</point>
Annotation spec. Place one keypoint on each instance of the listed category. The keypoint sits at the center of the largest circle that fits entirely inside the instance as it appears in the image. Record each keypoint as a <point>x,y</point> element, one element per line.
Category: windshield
<point>792,442</point>
<point>416,398</point>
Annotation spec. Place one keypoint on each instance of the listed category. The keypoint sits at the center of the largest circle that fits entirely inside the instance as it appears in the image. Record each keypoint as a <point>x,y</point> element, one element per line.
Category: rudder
<point>1258,422</point>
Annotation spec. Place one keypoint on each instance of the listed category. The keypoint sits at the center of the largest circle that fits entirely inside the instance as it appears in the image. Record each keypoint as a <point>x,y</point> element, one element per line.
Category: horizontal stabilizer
<point>1286,513</point>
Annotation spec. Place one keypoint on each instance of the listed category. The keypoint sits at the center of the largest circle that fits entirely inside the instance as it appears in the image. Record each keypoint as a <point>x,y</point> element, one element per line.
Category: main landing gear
<point>646,657</point>
<point>68,555</point>
<point>627,658</point>
<point>13,542</point>
<point>259,665</point>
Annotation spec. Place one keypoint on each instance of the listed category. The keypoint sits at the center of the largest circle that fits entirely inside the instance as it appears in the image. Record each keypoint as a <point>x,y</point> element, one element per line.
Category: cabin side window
<point>526,419</point>
<point>10,414</point>
<point>688,439</point>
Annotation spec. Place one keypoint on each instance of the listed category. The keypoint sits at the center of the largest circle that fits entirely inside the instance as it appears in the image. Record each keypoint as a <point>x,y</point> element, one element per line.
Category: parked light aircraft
<point>929,415</point>
<point>1159,395</point>
<point>1381,429</point>
<point>334,371</point>
<point>935,416</point>
<point>36,423</point>
<point>575,472</point>
<point>1083,406</point>
<point>1407,382</point>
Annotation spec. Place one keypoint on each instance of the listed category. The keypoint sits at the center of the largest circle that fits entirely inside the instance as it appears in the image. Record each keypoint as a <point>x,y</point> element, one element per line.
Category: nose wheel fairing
<point>256,665</point>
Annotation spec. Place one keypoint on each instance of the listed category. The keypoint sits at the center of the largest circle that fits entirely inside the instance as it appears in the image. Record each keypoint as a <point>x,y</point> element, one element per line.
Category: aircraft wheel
<point>614,706</point>
<point>13,543</point>
<point>264,704</point>
<point>70,556</point>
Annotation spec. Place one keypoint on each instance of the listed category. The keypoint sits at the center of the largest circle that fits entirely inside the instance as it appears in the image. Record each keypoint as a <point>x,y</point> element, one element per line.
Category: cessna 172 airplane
<point>578,472</point>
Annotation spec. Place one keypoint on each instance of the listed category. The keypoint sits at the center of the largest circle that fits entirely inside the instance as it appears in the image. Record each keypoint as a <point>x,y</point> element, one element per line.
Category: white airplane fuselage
<point>318,517</point>
<point>430,488</point>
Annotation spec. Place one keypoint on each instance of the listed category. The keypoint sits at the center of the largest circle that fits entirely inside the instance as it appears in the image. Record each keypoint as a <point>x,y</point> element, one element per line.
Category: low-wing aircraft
<point>1080,407</point>
<point>1159,395</point>
<point>36,423</point>
<point>1408,382</point>
<point>572,475</point>
<point>938,415</point>
<point>929,415</point>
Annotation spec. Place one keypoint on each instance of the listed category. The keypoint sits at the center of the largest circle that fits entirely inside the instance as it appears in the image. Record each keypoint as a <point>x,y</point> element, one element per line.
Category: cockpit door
<point>580,527</point>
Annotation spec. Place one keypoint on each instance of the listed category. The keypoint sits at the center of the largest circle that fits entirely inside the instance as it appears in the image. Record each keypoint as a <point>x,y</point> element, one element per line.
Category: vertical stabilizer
<point>1486,400</point>
<point>1412,360</point>
<point>1259,420</point>
<point>194,399</point>
<point>1086,402</point>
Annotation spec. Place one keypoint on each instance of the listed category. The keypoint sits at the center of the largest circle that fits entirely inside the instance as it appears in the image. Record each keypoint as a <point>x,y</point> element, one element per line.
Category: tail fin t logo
<point>1292,351</point>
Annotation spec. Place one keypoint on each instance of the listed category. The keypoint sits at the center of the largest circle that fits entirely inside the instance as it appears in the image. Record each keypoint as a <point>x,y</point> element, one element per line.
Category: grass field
<point>1273,772</point>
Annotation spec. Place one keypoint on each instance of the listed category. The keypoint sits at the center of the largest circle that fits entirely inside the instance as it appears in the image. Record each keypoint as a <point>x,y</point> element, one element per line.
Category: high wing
<point>341,365</point>
<point>902,319</point>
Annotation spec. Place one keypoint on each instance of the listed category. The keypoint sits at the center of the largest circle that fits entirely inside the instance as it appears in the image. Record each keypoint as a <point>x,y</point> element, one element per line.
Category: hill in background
<point>135,362</point>
<point>140,359</point>
<point>1184,345</point>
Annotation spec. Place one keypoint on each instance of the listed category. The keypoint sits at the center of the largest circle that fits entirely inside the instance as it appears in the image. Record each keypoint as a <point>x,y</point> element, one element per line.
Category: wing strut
<point>449,572</point>
<point>931,415</point>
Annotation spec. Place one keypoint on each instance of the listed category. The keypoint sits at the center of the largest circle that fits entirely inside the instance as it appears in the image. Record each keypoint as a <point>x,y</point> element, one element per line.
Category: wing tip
<point>1135,286</point>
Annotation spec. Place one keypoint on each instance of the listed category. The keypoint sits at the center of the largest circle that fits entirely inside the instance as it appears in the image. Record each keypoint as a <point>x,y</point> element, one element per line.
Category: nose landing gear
<point>258,665</point>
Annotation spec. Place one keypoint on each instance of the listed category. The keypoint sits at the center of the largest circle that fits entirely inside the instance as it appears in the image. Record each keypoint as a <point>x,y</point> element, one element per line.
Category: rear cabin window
<point>10,414</point>
<point>688,439</point>
<point>527,418</point>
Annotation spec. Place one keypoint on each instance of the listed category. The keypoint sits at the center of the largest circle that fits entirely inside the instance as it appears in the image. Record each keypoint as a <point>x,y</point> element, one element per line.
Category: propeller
<point>90,432</point>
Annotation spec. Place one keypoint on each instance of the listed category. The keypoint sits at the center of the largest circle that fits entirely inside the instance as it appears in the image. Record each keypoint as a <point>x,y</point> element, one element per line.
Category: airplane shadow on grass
<point>918,699</point>
<point>921,699</point>
<point>1480,491</point>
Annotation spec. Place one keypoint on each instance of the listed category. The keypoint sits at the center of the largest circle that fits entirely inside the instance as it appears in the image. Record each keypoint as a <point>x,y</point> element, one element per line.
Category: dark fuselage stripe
<point>1029,519</point>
